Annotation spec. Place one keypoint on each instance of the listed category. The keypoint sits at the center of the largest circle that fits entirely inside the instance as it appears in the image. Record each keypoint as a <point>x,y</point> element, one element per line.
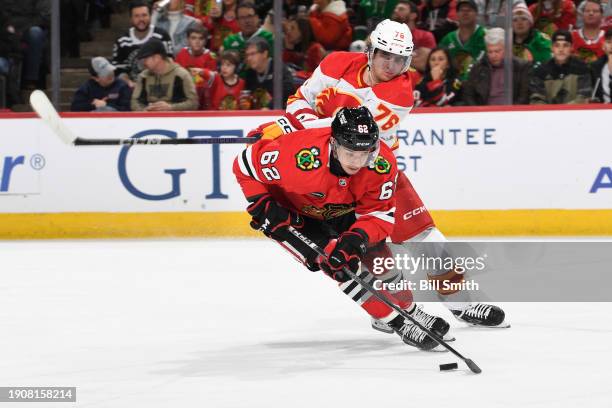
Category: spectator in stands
<point>250,27</point>
<point>220,21</point>
<point>530,44</point>
<point>407,12</point>
<point>172,20</point>
<point>601,71</point>
<point>552,15</point>
<point>29,20</point>
<point>300,48</point>
<point>163,85</point>
<point>102,92</point>
<point>197,60</point>
<point>10,55</point>
<point>493,12</point>
<point>127,46</point>
<point>225,86</point>
<point>466,44</point>
<point>440,85</point>
<point>439,17</point>
<point>588,41</point>
<point>258,76</point>
<point>195,56</point>
<point>330,24</point>
<point>485,84</point>
<point>607,22</point>
<point>296,8</point>
<point>563,79</point>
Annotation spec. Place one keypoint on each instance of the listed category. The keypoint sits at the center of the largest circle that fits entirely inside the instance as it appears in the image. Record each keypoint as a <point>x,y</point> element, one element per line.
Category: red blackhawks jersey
<point>339,81</point>
<point>296,172</point>
<point>588,50</point>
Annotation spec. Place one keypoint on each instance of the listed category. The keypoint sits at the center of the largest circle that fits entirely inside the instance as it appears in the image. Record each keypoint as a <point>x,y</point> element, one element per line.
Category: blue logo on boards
<point>175,174</point>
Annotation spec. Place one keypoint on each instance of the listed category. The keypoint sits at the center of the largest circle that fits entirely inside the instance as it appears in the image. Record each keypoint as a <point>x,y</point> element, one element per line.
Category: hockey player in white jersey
<point>378,79</point>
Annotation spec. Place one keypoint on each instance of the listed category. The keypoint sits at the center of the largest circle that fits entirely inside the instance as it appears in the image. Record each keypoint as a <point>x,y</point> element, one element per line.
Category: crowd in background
<point>217,54</point>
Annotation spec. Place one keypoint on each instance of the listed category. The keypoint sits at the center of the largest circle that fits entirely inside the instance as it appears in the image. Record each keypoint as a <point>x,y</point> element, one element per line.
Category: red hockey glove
<point>271,218</point>
<point>281,126</point>
<point>346,251</point>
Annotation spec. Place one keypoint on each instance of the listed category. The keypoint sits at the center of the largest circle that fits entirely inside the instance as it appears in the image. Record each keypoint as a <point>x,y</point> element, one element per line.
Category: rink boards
<point>516,171</point>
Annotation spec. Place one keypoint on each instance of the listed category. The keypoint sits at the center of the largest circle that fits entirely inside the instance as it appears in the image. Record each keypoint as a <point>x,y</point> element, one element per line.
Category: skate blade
<point>438,349</point>
<point>382,330</point>
<point>502,325</point>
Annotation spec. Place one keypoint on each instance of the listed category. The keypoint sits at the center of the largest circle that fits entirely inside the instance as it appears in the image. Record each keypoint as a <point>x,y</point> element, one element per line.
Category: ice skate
<point>434,323</point>
<point>482,315</point>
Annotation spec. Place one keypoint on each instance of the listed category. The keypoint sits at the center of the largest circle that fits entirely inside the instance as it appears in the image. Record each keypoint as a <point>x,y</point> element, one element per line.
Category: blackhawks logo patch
<point>308,159</point>
<point>381,165</point>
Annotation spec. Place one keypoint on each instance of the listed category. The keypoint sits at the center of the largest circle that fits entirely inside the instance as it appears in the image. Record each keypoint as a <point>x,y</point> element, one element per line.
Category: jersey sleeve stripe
<point>246,165</point>
<point>388,216</point>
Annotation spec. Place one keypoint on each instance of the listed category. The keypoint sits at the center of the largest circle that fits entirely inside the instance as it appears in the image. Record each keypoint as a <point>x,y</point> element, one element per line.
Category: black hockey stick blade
<point>472,366</point>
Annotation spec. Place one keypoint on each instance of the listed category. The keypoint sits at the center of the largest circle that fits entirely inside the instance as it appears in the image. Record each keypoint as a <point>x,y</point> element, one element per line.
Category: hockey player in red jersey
<point>378,79</point>
<point>337,187</point>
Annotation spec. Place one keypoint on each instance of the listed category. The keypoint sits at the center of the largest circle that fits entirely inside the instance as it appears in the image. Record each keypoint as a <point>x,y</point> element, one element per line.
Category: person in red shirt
<point>197,59</point>
<point>223,88</point>
<point>552,15</point>
<point>220,21</point>
<point>588,41</point>
<point>196,56</point>
<point>336,187</point>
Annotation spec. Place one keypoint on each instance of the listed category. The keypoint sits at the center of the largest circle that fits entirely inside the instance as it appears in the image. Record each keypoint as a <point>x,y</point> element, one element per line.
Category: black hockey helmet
<point>355,129</point>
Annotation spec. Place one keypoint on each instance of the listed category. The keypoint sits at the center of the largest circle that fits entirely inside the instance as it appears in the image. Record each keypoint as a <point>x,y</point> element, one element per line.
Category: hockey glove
<point>346,251</point>
<point>271,218</point>
<point>281,126</point>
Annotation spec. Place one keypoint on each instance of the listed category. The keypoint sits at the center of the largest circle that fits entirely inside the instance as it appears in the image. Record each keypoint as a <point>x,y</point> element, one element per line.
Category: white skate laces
<point>412,332</point>
<point>480,311</point>
<point>422,317</point>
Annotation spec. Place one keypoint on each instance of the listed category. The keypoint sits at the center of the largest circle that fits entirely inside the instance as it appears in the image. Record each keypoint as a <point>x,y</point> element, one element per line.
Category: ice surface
<point>228,323</point>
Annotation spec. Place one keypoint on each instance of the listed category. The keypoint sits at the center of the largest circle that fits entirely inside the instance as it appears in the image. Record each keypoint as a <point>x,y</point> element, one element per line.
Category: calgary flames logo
<point>307,159</point>
<point>331,99</point>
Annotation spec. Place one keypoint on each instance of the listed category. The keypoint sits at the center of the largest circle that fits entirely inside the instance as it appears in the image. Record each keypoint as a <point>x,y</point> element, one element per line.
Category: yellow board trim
<point>236,224</point>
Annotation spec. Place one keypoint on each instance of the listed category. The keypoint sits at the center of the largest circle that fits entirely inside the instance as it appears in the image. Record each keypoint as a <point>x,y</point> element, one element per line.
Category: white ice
<point>229,323</point>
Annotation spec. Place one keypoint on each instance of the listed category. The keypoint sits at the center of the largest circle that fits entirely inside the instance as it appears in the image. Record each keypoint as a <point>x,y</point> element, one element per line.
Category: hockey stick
<point>45,110</point>
<point>471,365</point>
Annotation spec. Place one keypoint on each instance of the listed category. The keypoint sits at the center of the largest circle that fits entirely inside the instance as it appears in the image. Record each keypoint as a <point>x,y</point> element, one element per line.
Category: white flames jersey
<point>339,82</point>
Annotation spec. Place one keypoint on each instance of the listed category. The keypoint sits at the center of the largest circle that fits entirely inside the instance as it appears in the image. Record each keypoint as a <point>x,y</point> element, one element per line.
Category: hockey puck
<point>449,366</point>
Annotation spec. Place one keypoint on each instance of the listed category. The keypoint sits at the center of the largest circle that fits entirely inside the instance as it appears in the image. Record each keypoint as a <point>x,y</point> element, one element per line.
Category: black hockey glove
<point>347,252</point>
<point>271,218</point>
